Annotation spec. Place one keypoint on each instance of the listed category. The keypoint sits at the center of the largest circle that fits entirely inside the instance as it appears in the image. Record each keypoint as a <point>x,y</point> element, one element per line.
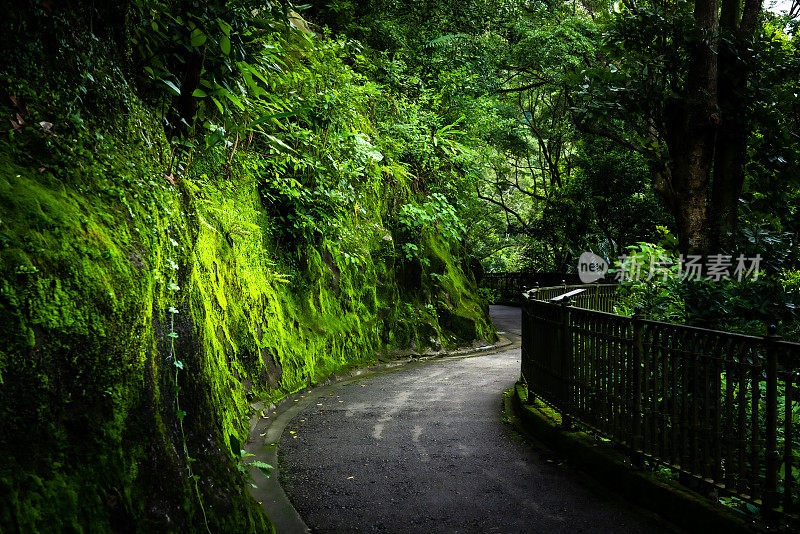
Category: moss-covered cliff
<point>149,290</point>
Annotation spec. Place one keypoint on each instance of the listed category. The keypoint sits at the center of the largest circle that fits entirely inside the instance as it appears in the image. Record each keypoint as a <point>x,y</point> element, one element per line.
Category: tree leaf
<point>197,37</point>
<point>225,45</point>
<point>172,86</point>
<point>224,26</point>
<point>233,98</point>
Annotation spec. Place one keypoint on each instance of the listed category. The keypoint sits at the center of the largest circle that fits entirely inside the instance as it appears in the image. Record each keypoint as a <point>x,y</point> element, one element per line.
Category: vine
<point>178,365</point>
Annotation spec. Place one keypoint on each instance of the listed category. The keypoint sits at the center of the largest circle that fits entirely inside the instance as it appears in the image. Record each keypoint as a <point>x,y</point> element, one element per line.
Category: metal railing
<point>507,286</point>
<point>599,297</point>
<point>717,406</point>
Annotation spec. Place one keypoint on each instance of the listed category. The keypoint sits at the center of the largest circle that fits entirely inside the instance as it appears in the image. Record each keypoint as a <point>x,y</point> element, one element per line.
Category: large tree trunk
<point>710,123</point>
<point>731,151</point>
<point>691,134</point>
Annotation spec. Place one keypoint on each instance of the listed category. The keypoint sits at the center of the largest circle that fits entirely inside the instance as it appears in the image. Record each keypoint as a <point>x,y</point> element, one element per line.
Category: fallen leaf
<point>171,178</point>
<point>46,126</point>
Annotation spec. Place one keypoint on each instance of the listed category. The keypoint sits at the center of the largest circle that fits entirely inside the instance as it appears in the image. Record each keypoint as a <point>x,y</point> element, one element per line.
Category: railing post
<point>528,336</point>
<point>636,376</point>
<point>566,364</point>
<point>770,502</point>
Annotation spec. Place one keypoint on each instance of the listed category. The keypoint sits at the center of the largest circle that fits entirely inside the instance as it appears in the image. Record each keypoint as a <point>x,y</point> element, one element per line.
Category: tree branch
<point>504,207</point>
<point>521,88</point>
<point>495,251</point>
<point>614,136</point>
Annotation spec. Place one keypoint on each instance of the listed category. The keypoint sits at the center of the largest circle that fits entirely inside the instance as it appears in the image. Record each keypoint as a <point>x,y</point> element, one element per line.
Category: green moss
<point>93,234</point>
<point>84,291</point>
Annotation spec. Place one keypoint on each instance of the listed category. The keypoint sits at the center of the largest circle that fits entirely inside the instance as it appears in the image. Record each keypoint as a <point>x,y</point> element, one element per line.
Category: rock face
<point>140,310</point>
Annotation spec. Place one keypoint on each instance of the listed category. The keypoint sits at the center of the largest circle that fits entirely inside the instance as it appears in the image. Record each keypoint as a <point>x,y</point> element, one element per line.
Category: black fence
<point>718,406</point>
<point>505,288</point>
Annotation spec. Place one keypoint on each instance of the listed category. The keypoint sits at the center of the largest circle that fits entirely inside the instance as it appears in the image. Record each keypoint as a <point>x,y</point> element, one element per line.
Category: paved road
<point>424,450</point>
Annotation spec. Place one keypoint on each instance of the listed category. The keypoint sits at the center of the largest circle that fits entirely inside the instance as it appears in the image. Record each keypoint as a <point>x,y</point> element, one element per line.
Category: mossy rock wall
<point>132,300</point>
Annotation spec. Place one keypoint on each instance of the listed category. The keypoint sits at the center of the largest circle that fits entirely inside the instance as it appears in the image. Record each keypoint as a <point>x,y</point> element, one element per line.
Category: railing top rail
<point>676,326</point>
<point>571,286</point>
<point>599,313</point>
<point>699,329</point>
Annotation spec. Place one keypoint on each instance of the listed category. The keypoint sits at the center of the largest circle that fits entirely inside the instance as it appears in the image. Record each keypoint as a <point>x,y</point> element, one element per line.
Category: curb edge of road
<point>265,433</point>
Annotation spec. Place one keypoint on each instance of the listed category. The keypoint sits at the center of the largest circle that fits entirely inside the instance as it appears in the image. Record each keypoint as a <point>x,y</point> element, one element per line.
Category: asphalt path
<point>424,449</point>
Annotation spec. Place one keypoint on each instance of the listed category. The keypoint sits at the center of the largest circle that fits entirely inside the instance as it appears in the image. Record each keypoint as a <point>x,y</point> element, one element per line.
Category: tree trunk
<point>731,152</point>
<point>691,134</point>
<point>738,25</point>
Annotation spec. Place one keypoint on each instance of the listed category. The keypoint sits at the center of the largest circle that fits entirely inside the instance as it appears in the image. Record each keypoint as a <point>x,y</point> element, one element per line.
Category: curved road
<point>424,450</point>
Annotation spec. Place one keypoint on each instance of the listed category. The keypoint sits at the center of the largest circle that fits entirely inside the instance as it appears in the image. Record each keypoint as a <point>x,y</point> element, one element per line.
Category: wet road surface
<point>424,450</point>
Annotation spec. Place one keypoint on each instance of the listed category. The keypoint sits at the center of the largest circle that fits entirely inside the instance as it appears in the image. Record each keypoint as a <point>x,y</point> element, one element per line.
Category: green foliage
<point>211,61</point>
<point>165,260</point>
<point>746,306</point>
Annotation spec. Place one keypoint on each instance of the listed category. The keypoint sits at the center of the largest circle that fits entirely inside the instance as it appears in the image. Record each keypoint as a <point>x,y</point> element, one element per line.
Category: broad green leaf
<point>199,93</point>
<point>171,85</point>
<point>219,106</point>
<point>197,37</point>
<point>271,116</point>
<point>225,45</point>
<point>233,98</point>
<point>275,141</point>
<point>224,26</point>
